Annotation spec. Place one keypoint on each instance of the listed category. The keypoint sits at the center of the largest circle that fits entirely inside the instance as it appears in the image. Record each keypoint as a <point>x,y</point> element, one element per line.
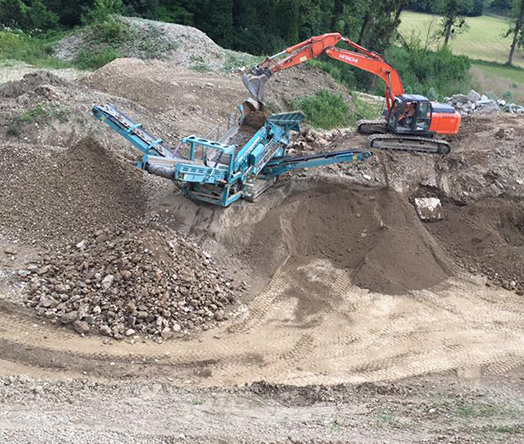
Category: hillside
<point>326,310</point>
<point>483,41</point>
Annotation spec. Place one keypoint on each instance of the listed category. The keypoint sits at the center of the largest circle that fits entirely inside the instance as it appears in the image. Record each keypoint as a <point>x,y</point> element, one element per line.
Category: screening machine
<point>241,163</point>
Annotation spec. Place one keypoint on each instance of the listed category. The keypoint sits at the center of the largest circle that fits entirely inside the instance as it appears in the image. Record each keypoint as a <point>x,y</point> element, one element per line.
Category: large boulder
<point>459,98</point>
<point>487,106</point>
<point>473,96</point>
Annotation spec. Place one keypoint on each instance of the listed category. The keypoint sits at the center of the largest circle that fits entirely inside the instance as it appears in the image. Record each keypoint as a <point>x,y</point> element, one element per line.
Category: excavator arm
<point>325,44</point>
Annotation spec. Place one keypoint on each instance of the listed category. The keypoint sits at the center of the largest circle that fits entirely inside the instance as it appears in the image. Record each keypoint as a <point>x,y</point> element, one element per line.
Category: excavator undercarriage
<point>381,139</point>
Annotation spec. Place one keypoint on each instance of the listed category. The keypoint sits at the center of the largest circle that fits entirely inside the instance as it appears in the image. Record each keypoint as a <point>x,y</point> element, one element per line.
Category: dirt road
<point>422,410</point>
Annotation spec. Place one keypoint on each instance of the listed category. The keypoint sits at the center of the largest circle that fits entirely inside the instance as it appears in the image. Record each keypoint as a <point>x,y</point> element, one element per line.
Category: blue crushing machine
<point>241,163</point>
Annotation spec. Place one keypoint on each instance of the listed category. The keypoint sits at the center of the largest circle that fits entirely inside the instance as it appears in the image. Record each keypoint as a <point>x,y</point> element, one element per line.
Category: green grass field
<point>483,40</point>
<point>499,79</point>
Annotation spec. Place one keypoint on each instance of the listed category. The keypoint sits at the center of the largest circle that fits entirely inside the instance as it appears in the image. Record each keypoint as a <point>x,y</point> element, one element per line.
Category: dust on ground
<point>429,410</point>
<point>344,283</point>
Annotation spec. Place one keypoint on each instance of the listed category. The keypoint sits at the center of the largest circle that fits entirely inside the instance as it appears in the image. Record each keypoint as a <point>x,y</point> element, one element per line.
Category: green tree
<point>215,18</point>
<point>41,18</point>
<point>13,13</point>
<point>477,9</point>
<point>101,10</point>
<point>515,28</point>
<point>181,11</point>
<point>142,8</point>
<point>69,12</point>
<point>30,16</point>
<point>453,22</point>
<point>501,6</point>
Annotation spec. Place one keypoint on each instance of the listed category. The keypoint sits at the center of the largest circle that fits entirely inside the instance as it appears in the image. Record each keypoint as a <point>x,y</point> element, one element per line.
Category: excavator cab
<point>410,114</point>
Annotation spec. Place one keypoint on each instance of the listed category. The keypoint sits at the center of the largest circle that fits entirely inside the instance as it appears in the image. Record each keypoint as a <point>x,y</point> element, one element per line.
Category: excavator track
<point>368,127</point>
<point>398,142</point>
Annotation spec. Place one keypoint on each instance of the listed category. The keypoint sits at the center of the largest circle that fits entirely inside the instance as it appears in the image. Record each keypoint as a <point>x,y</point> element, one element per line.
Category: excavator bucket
<point>255,81</point>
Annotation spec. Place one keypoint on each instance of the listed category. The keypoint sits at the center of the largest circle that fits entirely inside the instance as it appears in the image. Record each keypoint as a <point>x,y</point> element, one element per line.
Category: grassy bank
<point>505,82</point>
<point>34,51</point>
<point>327,110</point>
<point>483,41</point>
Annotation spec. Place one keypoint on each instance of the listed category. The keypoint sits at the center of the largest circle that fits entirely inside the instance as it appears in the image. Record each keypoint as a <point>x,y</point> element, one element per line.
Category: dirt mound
<point>119,283</point>
<point>195,102</point>
<point>52,197</point>
<point>486,236</point>
<point>374,234</point>
<point>29,82</point>
<point>149,39</point>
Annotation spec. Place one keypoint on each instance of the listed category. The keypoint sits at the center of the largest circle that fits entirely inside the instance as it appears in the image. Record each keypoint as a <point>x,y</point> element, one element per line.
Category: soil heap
<point>30,82</point>
<point>119,283</point>
<point>487,237</point>
<point>373,233</point>
<point>52,196</point>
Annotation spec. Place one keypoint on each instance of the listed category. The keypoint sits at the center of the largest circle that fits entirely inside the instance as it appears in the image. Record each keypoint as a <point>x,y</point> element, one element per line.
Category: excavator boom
<point>315,47</point>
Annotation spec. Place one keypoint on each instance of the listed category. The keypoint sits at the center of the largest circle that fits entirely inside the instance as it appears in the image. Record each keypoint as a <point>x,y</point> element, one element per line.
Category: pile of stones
<point>477,103</point>
<point>149,281</point>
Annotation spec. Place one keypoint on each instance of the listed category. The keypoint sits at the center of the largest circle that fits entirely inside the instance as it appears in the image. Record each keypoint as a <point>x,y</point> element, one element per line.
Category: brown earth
<point>51,197</point>
<point>486,236</point>
<point>197,102</point>
<point>374,234</point>
<point>346,285</point>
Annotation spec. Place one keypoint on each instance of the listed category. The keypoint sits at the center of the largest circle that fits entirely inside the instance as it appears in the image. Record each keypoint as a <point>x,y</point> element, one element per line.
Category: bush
<point>431,73</point>
<point>102,10</point>
<point>508,96</point>
<point>33,50</point>
<point>328,110</point>
<point>88,59</point>
<point>324,109</point>
<point>110,31</point>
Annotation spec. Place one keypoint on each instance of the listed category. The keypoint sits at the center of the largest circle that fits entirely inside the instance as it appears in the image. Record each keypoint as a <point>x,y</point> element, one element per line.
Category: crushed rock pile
<point>30,82</point>
<point>149,39</point>
<point>51,196</point>
<point>147,281</point>
<point>474,102</point>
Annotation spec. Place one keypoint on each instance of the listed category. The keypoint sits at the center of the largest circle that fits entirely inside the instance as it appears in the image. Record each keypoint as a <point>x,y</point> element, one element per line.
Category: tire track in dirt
<point>339,334</point>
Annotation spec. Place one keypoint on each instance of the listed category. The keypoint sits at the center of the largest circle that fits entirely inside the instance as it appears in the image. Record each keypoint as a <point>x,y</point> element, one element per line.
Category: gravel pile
<point>146,281</point>
<point>477,103</point>
<point>50,196</point>
<point>30,82</point>
<point>149,39</point>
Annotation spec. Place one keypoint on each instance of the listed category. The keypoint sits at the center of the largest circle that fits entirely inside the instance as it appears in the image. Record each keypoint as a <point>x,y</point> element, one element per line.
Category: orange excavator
<point>412,121</point>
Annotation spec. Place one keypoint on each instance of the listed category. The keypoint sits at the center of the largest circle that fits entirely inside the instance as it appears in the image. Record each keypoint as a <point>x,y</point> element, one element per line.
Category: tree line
<point>267,26</point>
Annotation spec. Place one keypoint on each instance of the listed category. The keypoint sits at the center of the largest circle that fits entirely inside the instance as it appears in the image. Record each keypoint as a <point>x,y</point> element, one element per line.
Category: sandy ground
<point>361,323</point>
<point>422,410</point>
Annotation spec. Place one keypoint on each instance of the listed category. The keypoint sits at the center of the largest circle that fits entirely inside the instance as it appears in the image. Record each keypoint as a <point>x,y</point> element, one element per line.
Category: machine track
<point>368,127</point>
<point>398,142</point>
